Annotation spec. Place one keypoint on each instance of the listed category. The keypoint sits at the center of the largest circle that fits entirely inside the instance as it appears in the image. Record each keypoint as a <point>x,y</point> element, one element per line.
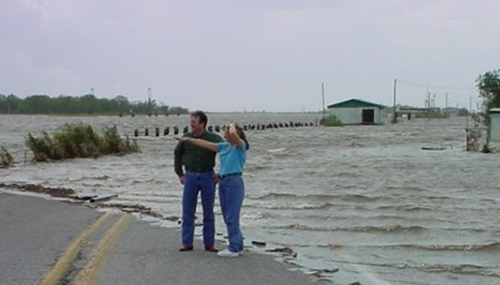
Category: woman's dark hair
<point>202,117</point>
<point>242,135</point>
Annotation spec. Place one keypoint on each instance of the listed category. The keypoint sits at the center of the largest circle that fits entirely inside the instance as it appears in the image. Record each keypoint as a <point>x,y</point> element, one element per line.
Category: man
<point>198,177</point>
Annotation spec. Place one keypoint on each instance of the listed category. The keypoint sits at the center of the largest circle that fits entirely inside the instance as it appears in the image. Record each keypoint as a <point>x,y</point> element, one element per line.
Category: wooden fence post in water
<point>217,128</point>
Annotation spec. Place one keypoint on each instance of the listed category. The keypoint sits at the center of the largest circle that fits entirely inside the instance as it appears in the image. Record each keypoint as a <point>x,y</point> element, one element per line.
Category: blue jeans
<point>231,194</point>
<point>198,182</point>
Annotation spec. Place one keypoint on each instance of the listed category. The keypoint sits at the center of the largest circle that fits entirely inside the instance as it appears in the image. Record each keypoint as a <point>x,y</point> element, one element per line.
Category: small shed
<point>495,125</point>
<point>357,112</point>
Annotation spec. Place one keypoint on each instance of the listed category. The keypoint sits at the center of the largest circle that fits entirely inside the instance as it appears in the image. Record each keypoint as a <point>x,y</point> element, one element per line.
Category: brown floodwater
<point>364,199</point>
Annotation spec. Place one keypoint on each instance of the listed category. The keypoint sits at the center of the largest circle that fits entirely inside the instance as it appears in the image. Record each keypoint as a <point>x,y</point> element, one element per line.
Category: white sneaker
<point>227,253</point>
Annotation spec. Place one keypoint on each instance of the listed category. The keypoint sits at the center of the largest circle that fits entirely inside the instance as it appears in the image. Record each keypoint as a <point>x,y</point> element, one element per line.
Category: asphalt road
<point>44,241</point>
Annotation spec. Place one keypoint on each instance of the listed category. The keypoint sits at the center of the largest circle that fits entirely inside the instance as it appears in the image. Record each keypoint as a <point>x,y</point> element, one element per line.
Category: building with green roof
<point>357,112</point>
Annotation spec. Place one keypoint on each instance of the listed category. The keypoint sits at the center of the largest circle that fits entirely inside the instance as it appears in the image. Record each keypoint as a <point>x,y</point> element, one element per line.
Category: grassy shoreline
<point>79,140</point>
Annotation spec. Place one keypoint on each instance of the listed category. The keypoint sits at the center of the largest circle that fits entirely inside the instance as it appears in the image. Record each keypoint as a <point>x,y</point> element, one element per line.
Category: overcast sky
<point>254,55</point>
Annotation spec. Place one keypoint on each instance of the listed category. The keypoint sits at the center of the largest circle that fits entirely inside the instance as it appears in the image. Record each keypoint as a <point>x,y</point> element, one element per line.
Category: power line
<point>435,86</point>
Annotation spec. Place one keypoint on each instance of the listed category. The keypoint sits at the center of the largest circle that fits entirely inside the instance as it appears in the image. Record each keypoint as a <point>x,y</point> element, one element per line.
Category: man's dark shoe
<point>211,248</point>
<point>186,248</point>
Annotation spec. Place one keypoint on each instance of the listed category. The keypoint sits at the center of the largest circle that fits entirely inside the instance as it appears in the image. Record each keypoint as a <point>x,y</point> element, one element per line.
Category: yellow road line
<point>89,273</point>
<point>54,275</point>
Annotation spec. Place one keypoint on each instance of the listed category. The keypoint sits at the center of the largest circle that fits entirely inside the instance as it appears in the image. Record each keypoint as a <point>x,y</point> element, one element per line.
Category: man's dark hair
<point>202,117</point>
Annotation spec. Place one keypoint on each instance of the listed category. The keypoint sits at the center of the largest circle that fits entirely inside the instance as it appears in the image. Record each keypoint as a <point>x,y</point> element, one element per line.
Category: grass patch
<point>331,121</point>
<point>6,159</point>
<point>79,141</point>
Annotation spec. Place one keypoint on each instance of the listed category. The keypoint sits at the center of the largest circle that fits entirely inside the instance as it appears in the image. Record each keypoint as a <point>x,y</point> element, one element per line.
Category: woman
<point>232,155</point>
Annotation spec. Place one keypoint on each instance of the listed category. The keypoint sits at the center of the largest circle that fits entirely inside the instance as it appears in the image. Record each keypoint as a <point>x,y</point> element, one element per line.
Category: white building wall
<point>354,116</point>
<point>495,127</point>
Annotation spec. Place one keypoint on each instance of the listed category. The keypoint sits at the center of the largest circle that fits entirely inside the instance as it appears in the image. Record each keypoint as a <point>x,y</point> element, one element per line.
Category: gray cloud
<point>223,55</point>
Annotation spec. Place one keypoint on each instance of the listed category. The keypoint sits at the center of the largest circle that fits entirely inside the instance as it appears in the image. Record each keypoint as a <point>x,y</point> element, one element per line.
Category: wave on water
<point>366,229</point>
<point>256,215</point>
<point>346,175</point>
<point>275,196</point>
<point>407,189</point>
<point>405,207</point>
<point>252,168</point>
<point>489,247</point>
<point>146,199</point>
<point>86,178</point>
<point>355,144</point>
<point>151,194</point>
<point>145,181</point>
<point>469,269</point>
<point>320,197</point>
<point>464,269</point>
<point>290,206</point>
<point>277,150</point>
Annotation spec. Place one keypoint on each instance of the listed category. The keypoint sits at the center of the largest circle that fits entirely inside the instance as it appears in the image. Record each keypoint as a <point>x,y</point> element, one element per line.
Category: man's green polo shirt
<point>195,158</point>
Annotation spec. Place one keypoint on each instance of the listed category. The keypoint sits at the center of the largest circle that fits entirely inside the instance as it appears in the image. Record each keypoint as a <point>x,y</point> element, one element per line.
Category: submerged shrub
<point>331,121</point>
<point>43,148</point>
<point>112,143</point>
<point>79,141</point>
<point>6,159</point>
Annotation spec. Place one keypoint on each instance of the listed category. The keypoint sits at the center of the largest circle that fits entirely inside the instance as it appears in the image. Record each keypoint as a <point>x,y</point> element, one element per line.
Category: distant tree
<point>13,104</point>
<point>86,104</point>
<point>3,104</point>
<point>178,110</point>
<point>66,105</point>
<point>488,85</point>
<point>36,104</point>
<point>163,109</point>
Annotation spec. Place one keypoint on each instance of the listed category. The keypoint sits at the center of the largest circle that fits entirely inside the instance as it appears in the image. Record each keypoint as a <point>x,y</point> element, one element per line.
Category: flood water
<point>365,199</point>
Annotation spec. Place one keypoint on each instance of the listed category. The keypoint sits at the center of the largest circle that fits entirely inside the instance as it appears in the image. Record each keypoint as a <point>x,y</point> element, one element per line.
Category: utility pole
<point>323,96</point>
<point>150,94</point>
<point>428,103</point>
<point>467,122</point>
<point>446,105</point>
<point>470,104</point>
<point>394,115</point>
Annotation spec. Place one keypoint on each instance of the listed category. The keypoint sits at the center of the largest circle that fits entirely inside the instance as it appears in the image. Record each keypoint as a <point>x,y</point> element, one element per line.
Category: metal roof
<point>354,103</point>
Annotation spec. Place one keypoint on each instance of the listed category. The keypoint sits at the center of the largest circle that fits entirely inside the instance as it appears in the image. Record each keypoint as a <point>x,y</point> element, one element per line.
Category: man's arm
<point>200,142</point>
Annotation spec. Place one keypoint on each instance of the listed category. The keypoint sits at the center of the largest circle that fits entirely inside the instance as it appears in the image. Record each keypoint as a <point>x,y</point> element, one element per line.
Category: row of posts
<point>176,130</point>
